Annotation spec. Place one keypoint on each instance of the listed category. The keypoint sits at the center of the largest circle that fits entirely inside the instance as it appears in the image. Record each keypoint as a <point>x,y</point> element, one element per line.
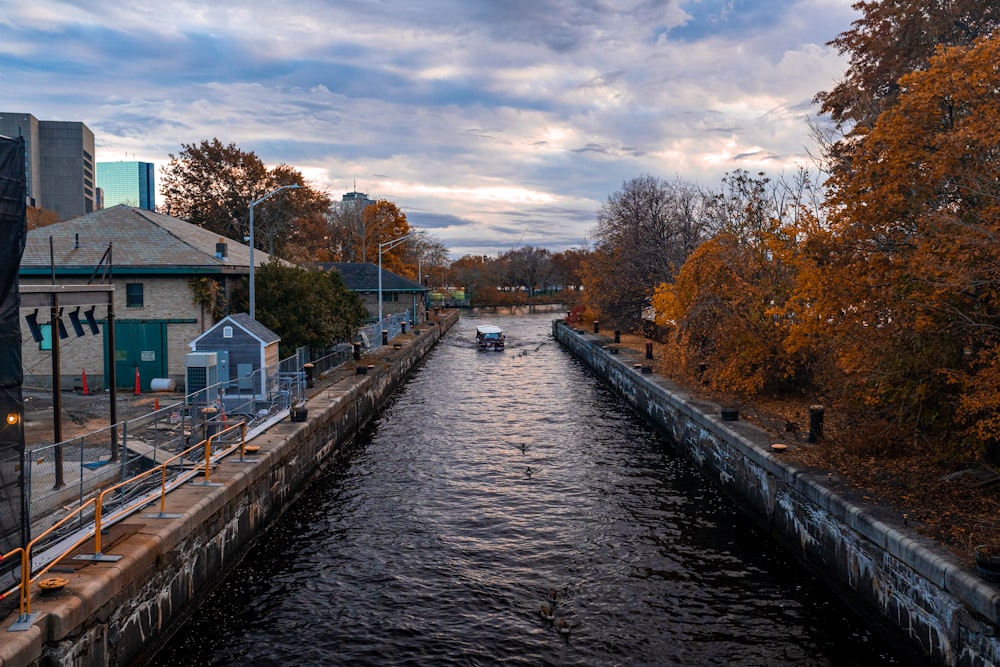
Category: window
<point>227,332</point>
<point>46,342</point>
<point>133,295</point>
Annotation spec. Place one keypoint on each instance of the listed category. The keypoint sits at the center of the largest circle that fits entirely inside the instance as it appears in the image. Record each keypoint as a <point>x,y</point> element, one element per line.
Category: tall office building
<point>358,199</point>
<point>59,157</point>
<point>129,183</point>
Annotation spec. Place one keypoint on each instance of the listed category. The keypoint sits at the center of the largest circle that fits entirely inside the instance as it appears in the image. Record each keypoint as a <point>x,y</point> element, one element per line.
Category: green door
<point>143,346</point>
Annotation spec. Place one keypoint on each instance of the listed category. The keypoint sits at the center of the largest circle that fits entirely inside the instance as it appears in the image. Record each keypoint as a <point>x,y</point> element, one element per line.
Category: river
<point>492,482</point>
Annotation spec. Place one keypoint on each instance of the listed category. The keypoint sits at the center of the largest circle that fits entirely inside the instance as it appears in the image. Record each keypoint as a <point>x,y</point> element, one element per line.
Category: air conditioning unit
<point>202,377</point>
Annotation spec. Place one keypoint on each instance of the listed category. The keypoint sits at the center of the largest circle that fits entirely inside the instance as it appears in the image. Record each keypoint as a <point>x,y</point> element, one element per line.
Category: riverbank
<point>919,594</point>
<point>118,612</point>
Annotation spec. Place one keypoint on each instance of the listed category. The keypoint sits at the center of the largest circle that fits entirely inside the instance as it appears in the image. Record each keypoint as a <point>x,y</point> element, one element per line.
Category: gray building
<point>248,354</point>
<point>399,294</point>
<point>359,200</point>
<point>60,163</point>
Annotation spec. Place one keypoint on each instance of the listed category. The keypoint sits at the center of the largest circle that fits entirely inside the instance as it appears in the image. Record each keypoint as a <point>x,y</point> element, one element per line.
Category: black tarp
<point>13,231</point>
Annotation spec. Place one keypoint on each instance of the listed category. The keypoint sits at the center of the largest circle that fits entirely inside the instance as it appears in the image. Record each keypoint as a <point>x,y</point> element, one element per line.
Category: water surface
<point>491,480</point>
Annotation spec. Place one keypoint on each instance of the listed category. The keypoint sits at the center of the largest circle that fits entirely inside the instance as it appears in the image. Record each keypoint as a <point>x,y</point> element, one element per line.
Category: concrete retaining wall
<point>117,613</point>
<point>918,594</point>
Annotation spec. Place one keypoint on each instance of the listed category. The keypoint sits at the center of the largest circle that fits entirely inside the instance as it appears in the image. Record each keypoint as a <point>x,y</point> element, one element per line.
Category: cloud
<point>490,123</point>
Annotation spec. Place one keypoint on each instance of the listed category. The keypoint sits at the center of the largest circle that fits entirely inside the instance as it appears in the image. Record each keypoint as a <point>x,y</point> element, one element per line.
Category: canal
<point>492,483</point>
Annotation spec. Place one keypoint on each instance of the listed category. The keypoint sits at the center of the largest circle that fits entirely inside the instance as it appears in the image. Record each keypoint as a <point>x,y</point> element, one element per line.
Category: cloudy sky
<point>491,123</point>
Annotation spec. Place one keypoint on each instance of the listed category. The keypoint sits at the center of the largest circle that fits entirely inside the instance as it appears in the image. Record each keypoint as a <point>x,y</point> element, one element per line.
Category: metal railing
<point>58,477</point>
<point>107,507</point>
<point>371,335</point>
<point>329,358</point>
<point>106,474</point>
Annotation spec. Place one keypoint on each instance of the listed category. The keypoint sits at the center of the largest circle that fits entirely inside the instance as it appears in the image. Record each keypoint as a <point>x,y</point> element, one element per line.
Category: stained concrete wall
<point>118,613</point>
<point>917,593</point>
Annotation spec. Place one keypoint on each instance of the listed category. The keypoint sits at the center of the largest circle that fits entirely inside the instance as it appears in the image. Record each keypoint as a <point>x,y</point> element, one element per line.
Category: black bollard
<point>309,368</point>
<point>385,337</point>
<point>649,350</point>
<point>816,423</point>
<point>597,327</point>
<point>403,324</point>
<point>357,351</point>
<point>618,336</point>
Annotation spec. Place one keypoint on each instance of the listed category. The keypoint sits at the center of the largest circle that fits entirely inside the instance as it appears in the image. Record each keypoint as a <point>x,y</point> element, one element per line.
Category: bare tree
<point>527,267</point>
<point>644,233</point>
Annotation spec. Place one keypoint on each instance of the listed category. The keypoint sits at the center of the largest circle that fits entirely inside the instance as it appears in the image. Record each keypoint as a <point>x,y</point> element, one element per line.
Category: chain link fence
<point>60,477</point>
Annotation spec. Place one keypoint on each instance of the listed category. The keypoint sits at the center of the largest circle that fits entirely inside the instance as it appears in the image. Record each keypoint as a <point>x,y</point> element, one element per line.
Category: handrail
<point>11,554</point>
<point>98,501</point>
<point>26,578</point>
<point>148,473</point>
<point>208,449</point>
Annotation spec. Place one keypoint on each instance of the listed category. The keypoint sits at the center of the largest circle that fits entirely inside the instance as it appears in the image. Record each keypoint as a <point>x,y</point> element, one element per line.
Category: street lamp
<point>388,245</point>
<point>253,299</point>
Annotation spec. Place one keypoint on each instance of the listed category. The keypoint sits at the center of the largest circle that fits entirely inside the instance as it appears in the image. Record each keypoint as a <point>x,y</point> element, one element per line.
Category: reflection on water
<point>492,481</point>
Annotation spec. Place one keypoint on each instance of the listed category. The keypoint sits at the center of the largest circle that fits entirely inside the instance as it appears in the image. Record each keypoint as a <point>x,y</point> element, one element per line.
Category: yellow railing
<point>24,586</point>
<point>26,577</point>
<point>3,559</point>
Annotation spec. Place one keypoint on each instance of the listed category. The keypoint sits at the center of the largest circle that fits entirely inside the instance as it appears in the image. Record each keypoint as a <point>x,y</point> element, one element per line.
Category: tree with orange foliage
<point>212,185</point>
<point>40,217</point>
<point>384,222</point>
<point>904,283</point>
<point>725,311</point>
<point>891,39</point>
<point>727,328</point>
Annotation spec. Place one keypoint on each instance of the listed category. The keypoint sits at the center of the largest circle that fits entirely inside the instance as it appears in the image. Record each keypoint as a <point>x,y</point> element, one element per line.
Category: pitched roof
<point>140,239</point>
<point>363,277</point>
<point>245,322</point>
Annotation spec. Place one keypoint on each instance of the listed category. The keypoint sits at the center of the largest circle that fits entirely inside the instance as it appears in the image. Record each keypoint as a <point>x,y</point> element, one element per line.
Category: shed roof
<point>363,277</point>
<point>146,240</point>
<point>244,322</point>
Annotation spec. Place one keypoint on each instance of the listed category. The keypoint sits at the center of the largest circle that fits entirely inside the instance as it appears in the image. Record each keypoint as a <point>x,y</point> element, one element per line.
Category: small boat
<point>489,337</point>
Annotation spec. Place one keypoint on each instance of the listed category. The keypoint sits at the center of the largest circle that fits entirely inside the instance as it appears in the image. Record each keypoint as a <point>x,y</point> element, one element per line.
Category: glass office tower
<point>129,183</point>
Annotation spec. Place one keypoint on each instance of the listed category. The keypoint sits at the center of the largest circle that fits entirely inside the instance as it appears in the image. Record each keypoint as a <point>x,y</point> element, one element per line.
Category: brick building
<point>156,263</point>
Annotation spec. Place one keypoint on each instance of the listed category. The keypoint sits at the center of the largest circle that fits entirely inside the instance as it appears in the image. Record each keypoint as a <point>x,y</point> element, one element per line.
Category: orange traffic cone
<point>137,389</point>
<point>83,377</point>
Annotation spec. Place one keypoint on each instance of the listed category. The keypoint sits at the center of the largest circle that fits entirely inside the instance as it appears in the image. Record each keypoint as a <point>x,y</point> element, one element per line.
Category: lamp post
<point>388,245</point>
<point>253,294</point>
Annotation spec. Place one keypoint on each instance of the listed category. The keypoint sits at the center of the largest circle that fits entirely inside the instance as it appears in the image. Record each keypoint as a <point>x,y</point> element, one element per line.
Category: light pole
<point>388,245</point>
<point>253,295</point>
